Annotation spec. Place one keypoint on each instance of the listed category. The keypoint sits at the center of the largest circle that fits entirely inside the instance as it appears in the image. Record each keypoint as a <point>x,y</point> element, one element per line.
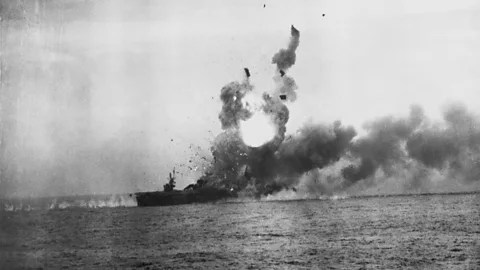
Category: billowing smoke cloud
<point>233,110</point>
<point>454,146</point>
<point>285,58</point>
<point>314,146</point>
<point>280,162</point>
<point>332,158</point>
<point>285,86</point>
<point>451,147</point>
<point>383,145</point>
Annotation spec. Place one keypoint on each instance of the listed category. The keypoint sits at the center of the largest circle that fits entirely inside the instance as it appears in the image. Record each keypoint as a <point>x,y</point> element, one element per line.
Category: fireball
<point>257,130</point>
<point>253,102</point>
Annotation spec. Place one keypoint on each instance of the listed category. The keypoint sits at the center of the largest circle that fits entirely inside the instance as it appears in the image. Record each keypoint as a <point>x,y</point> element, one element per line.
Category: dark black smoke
<point>279,163</point>
<point>382,147</point>
<point>415,145</point>
<point>454,146</point>
<point>314,146</point>
<point>332,157</point>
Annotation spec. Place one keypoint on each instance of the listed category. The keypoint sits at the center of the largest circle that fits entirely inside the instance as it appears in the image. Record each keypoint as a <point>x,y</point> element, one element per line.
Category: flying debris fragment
<point>247,72</point>
<point>282,73</point>
<point>283,97</point>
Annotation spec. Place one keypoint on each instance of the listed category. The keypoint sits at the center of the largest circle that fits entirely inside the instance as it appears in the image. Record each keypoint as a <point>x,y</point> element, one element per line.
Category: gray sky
<point>154,70</point>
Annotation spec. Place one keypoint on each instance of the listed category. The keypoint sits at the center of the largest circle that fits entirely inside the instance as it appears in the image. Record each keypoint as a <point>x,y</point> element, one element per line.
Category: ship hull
<point>202,195</point>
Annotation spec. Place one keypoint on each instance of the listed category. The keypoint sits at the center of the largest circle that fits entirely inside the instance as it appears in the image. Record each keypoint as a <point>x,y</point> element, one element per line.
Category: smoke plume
<point>328,159</point>
<point>279,162</point>
<point>382,148</point>
<point>233,110</point>
<point>285,58</point>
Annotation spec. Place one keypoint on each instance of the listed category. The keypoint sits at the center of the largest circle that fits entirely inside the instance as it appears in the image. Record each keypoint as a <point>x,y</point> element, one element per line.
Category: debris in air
<point>247,72</point>
<point>283,97</point>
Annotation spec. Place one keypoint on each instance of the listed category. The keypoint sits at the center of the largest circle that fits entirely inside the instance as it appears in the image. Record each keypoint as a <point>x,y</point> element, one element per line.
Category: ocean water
<point>398,232</point>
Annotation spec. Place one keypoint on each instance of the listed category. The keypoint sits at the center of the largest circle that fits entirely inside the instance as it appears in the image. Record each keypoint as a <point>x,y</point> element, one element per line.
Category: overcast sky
<point>156,67</point>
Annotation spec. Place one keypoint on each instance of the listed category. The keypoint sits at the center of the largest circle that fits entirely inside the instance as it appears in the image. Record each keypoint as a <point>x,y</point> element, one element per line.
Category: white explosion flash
<point>259,129</point>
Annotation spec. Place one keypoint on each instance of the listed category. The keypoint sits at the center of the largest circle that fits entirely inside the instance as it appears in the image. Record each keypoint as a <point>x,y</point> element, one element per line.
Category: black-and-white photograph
<point>210,134</point>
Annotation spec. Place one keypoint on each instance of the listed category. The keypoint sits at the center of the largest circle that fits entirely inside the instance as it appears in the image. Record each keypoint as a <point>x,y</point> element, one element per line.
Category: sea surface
<point>396,232</point>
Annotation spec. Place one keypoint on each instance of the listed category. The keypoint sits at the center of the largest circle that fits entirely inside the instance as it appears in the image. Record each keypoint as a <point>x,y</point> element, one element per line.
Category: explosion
<point>252,155</point>
<point>253,151</point>
<point>257,130</point>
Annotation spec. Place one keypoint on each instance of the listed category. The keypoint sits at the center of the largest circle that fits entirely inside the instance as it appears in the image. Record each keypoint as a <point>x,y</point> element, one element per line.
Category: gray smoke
<point>454,146</point>
<point>332,158</point>
<point>285,85</point>
<point>313,147</point>
<point>285,58</point>
<point>382,147</point>
<point>232,111</point>
<point>279,163</point>
<point>415,148</point>
<point>232,158</point>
